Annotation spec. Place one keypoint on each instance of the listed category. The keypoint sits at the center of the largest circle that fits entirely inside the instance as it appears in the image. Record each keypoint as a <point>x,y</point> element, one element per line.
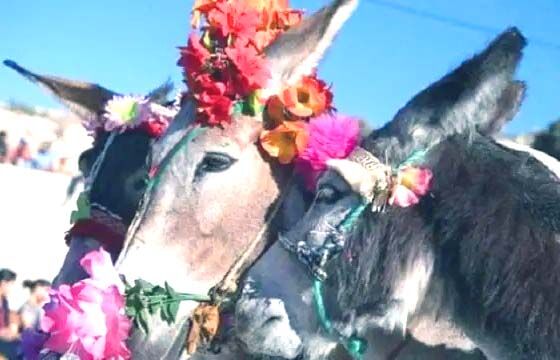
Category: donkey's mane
<point>493,222</point>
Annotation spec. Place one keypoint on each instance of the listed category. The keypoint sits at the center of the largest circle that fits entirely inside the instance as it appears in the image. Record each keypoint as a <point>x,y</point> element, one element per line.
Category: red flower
<point>234,18</point>
<point>213,105</point>
<point>214,109</point>
<point>154,128</point>
<point>193,57</point>
<point>252,71</point>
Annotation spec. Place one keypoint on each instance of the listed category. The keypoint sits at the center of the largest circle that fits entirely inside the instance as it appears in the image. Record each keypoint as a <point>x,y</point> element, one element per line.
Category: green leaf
<point>142,321</point>
<point>170,291</point>
<point>84,209</point>
<point>207,40</point>
<point>166,315</point>
<point>153,307</point>
<point>253,105</point>
<point>173,309</point>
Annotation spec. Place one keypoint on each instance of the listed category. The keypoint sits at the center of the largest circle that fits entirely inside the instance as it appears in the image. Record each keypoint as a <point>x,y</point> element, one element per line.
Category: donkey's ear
<point>480,94</point>
<point>297,52</point>
<point>160,95</point>
<point>82,98</point>
<point>508,105</point>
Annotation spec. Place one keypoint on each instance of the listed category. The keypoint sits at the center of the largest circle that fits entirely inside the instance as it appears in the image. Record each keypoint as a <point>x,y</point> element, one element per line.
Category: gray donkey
<point>479,254</point>
<point>481,96</point>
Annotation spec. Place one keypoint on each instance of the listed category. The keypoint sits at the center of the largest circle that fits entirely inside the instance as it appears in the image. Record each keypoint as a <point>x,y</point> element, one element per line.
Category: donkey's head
<point>215,193</point>
<point>480,95</point>
<point>123,171</point>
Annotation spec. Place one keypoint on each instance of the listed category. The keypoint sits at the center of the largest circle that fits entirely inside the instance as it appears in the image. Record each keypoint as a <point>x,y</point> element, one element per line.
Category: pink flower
<point>412,183</point>
<point>87,318</point>
<point>99,266</point>
<point>155,119</point>
<point>402,196</point>
<point>330,137</point>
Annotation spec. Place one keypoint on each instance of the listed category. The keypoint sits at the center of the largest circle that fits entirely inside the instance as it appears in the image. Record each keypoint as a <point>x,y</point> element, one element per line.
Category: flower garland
<point>123,113</point>
<point>225,69</point>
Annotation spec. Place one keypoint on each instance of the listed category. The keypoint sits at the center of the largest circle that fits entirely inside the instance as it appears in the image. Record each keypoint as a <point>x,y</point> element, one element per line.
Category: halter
<point>316,259</point>
<point>93,219</point>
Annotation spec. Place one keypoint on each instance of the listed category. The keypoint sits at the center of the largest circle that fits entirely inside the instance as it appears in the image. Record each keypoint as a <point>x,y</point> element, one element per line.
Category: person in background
<point>3,147</point>
<point>44,159</point>
<point>9,326</point>
<point>22,154</point>
<point>30,313</point>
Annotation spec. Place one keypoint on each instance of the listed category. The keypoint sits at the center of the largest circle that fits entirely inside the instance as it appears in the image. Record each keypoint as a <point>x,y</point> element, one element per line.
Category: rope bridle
<point>317,259</point>
<point>226,289</point>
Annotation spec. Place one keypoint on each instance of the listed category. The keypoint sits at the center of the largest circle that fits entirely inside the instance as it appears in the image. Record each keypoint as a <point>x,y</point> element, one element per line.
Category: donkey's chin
<point>163,340</point>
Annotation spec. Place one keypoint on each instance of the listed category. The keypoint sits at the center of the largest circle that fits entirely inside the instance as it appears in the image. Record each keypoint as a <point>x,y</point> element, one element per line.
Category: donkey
<point>195,224</point>
<point>479,254</point>
<point>123,169</point>
<point>123,173</point>
<point>479,95</point>
<point>218,195</point>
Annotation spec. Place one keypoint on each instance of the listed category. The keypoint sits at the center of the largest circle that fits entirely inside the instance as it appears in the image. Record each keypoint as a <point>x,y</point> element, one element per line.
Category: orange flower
<point>310,97</point>
<point>263,38</point>
<point>286,141</point>
<point>275,111</point>
<point>201,7</point>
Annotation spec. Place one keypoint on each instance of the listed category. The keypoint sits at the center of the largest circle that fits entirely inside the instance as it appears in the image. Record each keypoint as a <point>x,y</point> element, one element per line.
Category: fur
<point>492,227</point>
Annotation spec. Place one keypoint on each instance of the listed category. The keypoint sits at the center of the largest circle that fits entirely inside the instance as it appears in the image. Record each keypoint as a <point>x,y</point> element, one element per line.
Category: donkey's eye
<point>327,194</point>
<point>215,162</point>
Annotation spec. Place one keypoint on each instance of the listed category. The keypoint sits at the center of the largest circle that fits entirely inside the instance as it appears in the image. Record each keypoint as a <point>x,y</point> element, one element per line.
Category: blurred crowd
<point>14,321</point>
<point>41,158</point>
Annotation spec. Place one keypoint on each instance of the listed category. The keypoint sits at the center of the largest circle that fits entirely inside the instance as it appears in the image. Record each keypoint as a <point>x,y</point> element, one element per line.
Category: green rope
<point>417,156</point>
<point>320,305</point>
<point>183,143</point>
<point>352,217</point>
<point>355,346</point>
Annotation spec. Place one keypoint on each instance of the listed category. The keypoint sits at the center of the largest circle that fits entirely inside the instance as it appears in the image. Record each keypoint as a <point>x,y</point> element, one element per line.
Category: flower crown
<point>132,112</point>
<point>225,70</point>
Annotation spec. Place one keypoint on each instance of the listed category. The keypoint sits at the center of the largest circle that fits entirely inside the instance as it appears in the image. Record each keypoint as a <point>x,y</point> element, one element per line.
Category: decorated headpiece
<point>226,71</point>
<point>132,112</point>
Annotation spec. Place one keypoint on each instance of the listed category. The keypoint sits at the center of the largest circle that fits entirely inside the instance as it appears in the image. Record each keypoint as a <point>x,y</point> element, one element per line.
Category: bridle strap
<point>105,227</point>
<point>228,285</point>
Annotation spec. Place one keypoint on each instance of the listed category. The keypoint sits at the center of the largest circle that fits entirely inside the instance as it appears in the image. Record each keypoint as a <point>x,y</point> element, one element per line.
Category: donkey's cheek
<point>209,218</point>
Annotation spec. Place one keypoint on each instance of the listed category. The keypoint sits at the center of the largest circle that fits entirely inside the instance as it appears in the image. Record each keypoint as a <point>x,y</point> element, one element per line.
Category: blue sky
<point>382,57</point>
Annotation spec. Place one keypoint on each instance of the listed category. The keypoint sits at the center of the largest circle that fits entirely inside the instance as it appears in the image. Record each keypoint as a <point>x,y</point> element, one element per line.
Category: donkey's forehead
<point>242,132</point>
